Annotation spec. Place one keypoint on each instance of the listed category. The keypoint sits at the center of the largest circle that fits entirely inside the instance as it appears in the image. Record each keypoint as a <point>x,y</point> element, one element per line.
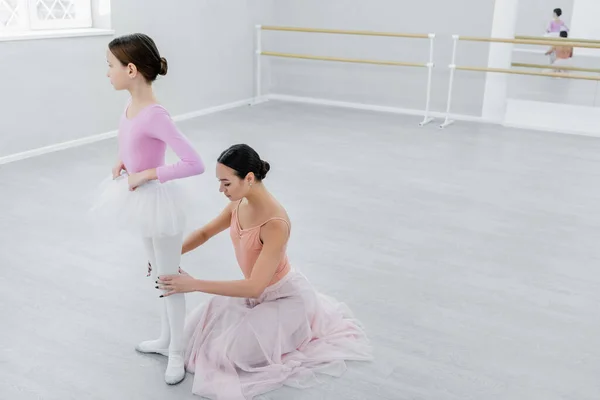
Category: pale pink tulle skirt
<point>239,348</point>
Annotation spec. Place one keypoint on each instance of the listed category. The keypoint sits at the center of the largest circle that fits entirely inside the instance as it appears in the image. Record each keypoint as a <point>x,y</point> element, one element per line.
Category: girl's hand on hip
<point>136,180</point>
<point>116,171</point>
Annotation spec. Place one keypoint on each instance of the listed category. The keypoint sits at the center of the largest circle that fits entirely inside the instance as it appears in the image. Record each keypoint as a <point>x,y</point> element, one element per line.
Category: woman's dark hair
<point>558,12</point>
<point>564,34</point>
<point>243,160</point>
<point>139,49</point>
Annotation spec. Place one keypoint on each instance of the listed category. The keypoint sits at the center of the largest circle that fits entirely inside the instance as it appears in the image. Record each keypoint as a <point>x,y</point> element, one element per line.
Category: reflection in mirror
<point>567,25</point>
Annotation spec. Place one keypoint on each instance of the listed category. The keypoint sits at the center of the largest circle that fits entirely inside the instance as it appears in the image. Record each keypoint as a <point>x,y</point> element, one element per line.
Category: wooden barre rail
<point>429,65</point>
<point>340,59</point>
<point>566,68</point>
<point>517,72</point>
<point>345,32</point>
<point>557,39</point>
<point>522,41</point>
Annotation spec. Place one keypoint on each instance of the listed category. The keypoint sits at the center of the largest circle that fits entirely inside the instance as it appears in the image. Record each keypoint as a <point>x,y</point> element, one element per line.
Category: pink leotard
<point>247,245</point>
<point>144,138</point>
<point>557,26</point>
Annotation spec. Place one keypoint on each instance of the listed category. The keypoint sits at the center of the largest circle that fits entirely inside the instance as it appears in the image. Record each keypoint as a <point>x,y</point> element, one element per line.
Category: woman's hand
<point>173,284</point>
<point>116,171</point>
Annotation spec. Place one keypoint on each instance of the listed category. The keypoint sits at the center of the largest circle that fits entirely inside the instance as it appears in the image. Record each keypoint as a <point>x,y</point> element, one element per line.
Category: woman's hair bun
<point>265,167</point>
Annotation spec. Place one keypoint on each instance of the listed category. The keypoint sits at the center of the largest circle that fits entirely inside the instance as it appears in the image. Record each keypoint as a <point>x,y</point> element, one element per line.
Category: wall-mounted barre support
<point>258,66</point>
<point>452,67</point>
<point>430,65</point>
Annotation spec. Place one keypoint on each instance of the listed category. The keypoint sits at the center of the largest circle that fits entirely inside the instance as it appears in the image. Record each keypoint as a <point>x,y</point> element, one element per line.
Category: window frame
<point>96,21</point>
<point>35,24</point>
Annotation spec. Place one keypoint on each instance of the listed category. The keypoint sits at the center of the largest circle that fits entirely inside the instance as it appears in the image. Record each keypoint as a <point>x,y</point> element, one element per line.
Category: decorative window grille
<point>27,15</point>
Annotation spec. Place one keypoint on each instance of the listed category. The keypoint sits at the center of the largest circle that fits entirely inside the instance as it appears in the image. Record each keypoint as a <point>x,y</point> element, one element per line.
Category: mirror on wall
<point>539,17</point>
<point>574,20</point>
<point>560,21</point>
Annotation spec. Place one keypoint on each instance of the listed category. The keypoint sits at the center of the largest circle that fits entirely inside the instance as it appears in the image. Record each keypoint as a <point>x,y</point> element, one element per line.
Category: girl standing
<point>557,25</point>
<point>143,194</point>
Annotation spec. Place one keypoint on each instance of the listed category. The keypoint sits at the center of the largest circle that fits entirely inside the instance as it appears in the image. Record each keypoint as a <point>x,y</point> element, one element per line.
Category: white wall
<point>389,86</point>
<point>56,90</point>
<point>585,24</point>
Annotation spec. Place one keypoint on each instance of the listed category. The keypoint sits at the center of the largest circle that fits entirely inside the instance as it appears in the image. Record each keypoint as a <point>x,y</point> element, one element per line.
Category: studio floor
<point>469,254</point>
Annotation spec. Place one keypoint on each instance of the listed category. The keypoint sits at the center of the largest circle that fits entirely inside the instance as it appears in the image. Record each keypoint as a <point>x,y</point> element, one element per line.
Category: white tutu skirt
<point>240,348</point>
<point>153,209</point>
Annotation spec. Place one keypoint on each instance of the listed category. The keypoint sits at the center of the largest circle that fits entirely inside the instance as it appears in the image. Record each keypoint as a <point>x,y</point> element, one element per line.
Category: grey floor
<point>470,254</point>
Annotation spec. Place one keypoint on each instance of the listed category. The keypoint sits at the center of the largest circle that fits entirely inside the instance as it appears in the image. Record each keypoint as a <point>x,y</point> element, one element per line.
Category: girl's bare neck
<point>142,96</point>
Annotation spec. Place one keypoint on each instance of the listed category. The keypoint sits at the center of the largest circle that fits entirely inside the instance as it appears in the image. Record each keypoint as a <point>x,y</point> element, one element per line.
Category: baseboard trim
<point>213,110</point>
<point>56,147</point>
<point>371,107</point>
<point>550,130</point>
<point>111,134</point>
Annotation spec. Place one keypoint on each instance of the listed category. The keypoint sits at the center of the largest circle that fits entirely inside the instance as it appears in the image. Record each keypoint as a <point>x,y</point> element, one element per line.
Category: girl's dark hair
<point>558,12</point>
<point>243,160</point>
<point>139,49</point>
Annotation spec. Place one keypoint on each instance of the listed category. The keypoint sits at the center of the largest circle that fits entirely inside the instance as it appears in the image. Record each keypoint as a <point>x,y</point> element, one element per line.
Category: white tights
<point>164,253</point>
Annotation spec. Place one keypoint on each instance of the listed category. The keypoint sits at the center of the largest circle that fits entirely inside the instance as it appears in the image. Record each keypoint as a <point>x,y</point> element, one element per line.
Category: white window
<point>32,15</point>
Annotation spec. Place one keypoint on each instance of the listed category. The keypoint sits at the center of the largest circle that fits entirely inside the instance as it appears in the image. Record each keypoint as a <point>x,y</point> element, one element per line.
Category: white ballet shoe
<point>154,347</point>
<point>175,369</point>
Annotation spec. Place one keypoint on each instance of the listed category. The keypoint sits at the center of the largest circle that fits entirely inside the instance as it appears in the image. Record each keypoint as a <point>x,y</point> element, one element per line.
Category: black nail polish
<point>156,287</point>
<point>161,295</point>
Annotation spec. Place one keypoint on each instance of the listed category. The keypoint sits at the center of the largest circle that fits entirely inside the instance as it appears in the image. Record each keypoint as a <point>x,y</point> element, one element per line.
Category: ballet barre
<point>557,39</point>
<point>561,67</point>
<point>531,42</point>
<point>344,32</point>
<point>341,59</point>
<point>517,72</point>
<point>429,65</point>
<point>453,67</point>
